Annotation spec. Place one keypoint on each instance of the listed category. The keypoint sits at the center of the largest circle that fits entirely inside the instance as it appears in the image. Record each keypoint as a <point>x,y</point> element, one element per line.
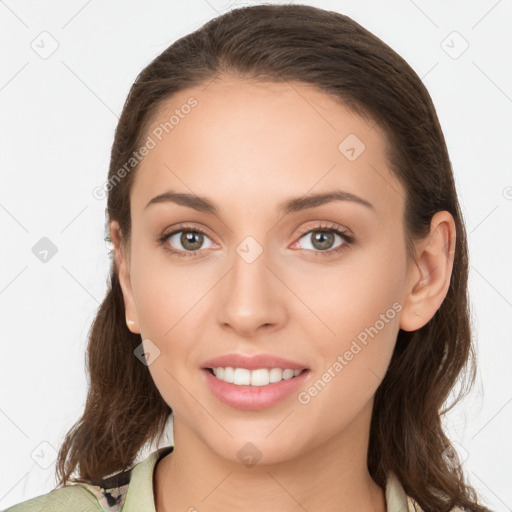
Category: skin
<point>248,146</point>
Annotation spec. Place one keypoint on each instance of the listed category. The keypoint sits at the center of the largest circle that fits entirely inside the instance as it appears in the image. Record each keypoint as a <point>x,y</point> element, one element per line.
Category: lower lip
<point>253,397</point>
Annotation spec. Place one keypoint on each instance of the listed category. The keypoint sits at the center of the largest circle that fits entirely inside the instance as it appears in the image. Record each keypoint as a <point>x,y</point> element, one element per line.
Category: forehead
<point>233,139</point>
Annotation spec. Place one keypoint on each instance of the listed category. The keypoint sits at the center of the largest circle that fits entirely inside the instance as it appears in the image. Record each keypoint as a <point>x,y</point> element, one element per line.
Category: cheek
<point>171,299</point>
<point>359,310</point>
<point>347,298</point>
<point>165,291</point>
<point>353,365</point>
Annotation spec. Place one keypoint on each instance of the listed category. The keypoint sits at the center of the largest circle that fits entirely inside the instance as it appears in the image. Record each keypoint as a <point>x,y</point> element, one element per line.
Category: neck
<point>328,477</point>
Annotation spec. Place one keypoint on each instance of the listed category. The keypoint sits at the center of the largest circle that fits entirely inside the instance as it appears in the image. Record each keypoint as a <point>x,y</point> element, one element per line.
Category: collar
<point>133,491</point>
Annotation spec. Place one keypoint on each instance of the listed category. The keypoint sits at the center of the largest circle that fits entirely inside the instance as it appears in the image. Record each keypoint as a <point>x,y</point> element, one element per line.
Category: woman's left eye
<point>323,237</point>
<point>192,239</point>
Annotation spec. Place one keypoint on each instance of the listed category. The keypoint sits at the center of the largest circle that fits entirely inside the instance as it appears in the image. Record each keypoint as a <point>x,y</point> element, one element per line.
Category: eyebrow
<point>203,204</point>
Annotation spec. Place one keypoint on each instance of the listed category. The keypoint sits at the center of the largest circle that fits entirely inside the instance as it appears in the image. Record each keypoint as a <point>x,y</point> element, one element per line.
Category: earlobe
<point>429,278</point>
<point>122,266</point>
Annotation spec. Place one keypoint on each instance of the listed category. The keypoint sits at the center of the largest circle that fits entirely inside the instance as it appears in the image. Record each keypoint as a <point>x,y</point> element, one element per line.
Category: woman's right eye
<point>190,239</point>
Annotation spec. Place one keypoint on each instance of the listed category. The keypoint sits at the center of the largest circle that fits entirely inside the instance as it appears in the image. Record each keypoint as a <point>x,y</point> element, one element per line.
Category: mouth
<point>256,389</point>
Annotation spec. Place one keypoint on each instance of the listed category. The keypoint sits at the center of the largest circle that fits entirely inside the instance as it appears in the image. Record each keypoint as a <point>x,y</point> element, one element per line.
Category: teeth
<point>259,377</point>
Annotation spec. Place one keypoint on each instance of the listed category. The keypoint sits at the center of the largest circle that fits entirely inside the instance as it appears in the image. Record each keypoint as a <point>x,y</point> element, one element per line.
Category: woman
<point>289,280</point>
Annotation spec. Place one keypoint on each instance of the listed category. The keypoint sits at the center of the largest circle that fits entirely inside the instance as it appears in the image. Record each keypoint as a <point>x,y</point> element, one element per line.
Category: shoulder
<point>81,496</point>
<point>109,495</point>
<point>398,501</point>
<point>412,506</point>
<point>65,499</point>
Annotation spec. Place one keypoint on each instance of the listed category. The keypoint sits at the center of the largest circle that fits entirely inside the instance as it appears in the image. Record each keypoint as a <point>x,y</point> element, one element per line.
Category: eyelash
<point>325,228</point>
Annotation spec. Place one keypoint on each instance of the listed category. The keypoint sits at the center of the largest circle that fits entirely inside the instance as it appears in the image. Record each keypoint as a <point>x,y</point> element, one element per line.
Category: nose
<point>252,297</point>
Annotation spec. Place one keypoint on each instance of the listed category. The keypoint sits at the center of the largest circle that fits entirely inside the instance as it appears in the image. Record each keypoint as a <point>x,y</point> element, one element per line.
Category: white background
<point>57,125</point>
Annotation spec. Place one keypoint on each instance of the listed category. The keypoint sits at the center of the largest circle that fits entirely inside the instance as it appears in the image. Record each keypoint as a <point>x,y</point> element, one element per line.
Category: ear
<point>122,265</point>
<point>429,278</point>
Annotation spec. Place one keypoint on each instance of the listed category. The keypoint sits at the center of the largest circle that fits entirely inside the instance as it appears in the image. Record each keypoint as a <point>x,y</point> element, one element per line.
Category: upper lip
<point>252,362</point>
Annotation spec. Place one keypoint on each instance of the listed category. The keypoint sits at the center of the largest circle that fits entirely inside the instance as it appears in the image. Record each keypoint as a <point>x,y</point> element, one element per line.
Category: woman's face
<point>263,279</point>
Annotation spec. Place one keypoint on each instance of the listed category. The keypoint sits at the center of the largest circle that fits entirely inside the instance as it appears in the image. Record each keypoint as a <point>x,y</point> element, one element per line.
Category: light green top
<point>133,492</point>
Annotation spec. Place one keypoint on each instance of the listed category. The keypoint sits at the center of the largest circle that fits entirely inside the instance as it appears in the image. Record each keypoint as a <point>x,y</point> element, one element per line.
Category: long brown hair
<point>124,410</point>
